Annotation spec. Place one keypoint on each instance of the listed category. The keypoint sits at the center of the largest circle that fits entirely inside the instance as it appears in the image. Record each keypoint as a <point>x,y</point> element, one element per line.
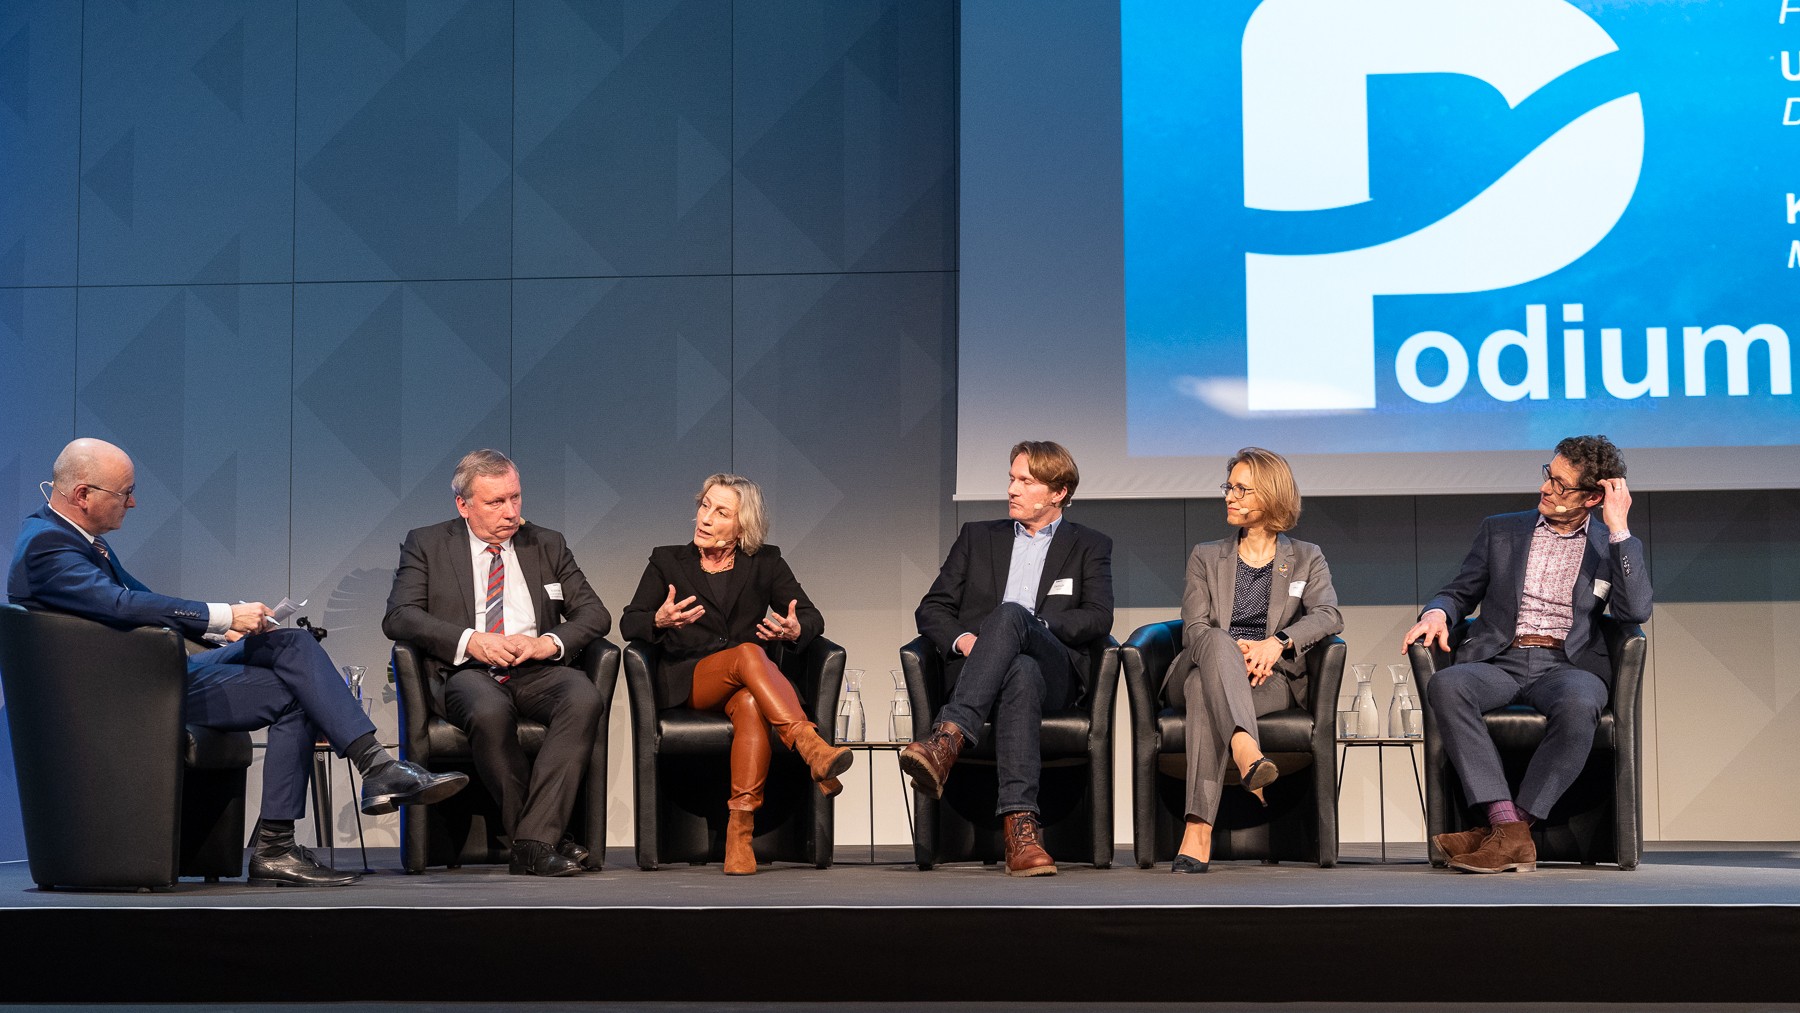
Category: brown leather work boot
<point>1025,855</point>
<point>740,831</point>
<point>1509,848</point>
<point>928,763</point>
<point>1444,847</point>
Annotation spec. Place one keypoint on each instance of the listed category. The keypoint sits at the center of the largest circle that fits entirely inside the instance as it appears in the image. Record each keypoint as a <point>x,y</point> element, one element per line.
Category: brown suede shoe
<point>1025,853</point>
<point>928,763</point>
<point>1444,847</point>
<point>1025,856</point>
<point>1509,848</point>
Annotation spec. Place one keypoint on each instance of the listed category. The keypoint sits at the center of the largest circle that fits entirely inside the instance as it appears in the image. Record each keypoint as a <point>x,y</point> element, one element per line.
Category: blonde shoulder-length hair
<point>753,521</point>
<point>1274,483</point>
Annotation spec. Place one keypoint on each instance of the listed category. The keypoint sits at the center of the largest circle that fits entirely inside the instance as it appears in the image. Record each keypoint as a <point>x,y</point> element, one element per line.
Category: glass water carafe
<point>900,711</point>
<point>850,709</point>
<point>1401,706</point>
<point>1368,716</point>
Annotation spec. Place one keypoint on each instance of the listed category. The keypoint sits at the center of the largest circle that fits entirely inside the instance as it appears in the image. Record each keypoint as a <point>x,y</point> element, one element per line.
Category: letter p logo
<point>1311,319</point>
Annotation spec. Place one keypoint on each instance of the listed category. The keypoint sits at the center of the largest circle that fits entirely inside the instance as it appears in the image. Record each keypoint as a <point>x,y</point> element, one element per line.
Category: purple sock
<point>1504,812</point>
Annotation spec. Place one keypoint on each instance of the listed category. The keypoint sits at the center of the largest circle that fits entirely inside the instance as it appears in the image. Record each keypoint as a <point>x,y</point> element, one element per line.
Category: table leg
<point>869,765</point>
<point>1381,796</point>
<point>321,793</point>
<point>361,845</point>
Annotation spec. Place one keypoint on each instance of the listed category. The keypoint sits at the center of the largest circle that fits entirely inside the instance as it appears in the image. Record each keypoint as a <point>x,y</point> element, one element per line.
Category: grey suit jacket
<point>1613,577</point>
<point>433,600</point>
<point>1302,603</point>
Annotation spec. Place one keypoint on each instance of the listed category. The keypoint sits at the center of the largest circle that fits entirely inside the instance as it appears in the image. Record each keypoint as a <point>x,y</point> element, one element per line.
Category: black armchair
<point>466,828</point>
<point>1601,816</point>
<point>1300,822</point>
<point>1075,797</point>
<point>683,774</point>
<point>115,789</point>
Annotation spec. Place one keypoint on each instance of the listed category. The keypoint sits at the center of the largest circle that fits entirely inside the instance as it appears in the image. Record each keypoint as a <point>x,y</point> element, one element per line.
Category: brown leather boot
<point>1509,848</point>
<point>825,760</point>
<point>740,857</point>
<point>1025,856</point>
<point>1444,847</point>
<point>928,763</point>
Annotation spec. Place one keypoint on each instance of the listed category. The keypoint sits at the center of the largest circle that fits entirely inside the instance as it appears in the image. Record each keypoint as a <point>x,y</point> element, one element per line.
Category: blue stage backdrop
<point>297,257</point>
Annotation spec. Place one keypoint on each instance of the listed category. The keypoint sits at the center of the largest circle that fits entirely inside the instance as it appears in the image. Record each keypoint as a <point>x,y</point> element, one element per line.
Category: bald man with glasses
<point>263,677</point>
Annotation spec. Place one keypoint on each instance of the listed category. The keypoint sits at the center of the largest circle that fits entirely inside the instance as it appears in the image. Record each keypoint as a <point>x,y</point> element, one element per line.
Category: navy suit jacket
<point>1493,578</point>
<point>972,583</point>
<point>55,567</point>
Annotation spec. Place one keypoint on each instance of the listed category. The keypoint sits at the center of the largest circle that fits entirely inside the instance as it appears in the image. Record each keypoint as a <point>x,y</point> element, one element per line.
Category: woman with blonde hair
<point>722,607</point>
<point>1254,604</point>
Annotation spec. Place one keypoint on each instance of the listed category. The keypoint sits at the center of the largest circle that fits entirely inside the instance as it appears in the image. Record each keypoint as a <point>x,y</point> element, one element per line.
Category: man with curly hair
<point>1541,579</point>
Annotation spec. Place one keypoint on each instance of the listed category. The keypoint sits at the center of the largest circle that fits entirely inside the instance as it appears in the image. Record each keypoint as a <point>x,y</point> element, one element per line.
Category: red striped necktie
<point>496,593</point>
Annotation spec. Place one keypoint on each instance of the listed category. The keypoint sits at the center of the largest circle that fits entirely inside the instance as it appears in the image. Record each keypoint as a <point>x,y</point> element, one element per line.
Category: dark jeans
<point>285,682</point>
<point>1540,677</point>
<point>535,798</point>
<point>1017,672</point>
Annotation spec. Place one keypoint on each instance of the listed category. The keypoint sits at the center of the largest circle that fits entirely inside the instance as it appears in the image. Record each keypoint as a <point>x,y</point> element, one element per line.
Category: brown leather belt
<point>1536,640</point>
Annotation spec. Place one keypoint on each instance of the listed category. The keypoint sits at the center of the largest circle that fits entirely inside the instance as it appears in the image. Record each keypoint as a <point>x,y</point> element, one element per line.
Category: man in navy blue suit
<point>280,679</point>
<point>1541,579</point>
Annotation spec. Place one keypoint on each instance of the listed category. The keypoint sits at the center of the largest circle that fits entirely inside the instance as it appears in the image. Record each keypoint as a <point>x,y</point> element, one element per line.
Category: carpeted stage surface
<point>1695,924</point>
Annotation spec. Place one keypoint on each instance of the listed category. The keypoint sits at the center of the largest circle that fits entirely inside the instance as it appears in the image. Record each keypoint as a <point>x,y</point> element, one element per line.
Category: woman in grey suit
<point>1254,604</point>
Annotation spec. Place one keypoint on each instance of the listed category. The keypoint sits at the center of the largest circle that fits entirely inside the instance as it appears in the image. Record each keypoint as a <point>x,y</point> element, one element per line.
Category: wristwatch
<point>1287,642</point>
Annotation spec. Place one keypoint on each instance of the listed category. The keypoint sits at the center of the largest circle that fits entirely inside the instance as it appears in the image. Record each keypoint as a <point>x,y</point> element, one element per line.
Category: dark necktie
<point>496,593</point>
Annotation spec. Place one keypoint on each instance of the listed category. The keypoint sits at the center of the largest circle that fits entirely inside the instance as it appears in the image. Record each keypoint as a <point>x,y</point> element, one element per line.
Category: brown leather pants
<point>756,696</point>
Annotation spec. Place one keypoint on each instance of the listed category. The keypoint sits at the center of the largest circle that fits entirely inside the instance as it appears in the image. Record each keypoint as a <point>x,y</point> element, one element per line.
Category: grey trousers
<point>1217,701</point>
<point>1541,677</point>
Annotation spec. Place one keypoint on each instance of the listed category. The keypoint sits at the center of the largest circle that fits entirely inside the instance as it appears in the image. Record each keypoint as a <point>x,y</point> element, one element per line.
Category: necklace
<point>730,561</point>
<point>1258,561</point>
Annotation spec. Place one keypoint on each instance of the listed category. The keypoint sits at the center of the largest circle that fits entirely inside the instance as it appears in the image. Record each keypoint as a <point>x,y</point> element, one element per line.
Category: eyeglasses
<point>1240,491</point>
<point>1559,488</point>
<point>127,494</point>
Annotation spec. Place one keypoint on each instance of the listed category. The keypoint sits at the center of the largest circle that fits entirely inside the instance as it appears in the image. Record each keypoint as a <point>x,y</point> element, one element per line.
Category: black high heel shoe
<point>1184,863</point>
<point>1261,774</point>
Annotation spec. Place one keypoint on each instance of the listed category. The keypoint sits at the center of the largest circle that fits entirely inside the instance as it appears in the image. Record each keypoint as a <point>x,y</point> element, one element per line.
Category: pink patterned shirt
<point>1546,606</point>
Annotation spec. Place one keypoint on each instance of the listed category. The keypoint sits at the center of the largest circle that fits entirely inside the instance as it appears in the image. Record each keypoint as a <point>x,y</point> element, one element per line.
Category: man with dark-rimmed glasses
<point>1541,579</point>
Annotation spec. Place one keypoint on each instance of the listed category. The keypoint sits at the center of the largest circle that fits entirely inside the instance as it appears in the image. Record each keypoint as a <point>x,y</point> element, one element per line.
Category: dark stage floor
<point>1696,923</point>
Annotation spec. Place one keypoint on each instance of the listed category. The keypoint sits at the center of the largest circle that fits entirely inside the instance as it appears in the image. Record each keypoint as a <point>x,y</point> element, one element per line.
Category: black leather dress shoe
<point>399,783</point>
<point>572,850</point>
<point>294,866</point>
<point>535,858</point>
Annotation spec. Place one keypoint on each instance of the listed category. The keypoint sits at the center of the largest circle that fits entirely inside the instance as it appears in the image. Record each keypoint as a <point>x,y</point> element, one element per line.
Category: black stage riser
<point>1635,954</point>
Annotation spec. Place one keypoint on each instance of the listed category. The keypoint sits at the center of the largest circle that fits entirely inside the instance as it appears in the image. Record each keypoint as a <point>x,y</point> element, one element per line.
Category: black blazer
<point>753,586</point>
<point>972,580</point>
<point>433,600</point>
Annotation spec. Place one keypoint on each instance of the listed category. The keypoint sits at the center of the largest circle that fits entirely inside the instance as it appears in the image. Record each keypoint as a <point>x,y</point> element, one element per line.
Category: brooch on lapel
<point>1282,569</point>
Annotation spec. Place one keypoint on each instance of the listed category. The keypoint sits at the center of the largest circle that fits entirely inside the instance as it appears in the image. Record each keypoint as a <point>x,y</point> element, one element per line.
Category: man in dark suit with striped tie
<point>279,679</point>
<point>499,608</point>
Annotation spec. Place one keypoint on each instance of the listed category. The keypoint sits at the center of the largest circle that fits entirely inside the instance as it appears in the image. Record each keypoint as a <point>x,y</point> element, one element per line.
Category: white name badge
<point>1063,586</point>
<point>1602,588</point>
<point>1296,588</point>
<point>554,591</point>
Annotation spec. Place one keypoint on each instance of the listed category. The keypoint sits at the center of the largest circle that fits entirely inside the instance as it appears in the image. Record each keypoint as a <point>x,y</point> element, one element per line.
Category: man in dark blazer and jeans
<point>1541,579</point>
<point>500,609</point>
<point>1014,611</point>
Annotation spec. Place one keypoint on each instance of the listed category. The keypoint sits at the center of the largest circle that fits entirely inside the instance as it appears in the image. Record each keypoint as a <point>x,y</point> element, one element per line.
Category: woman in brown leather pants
<point>721,608</point>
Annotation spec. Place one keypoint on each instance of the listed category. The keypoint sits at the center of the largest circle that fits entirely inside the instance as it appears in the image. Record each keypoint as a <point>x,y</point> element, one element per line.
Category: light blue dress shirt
<point>1027,566</point>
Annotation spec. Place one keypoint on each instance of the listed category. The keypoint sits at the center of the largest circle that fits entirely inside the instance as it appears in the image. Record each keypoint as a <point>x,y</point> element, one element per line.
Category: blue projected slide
<point>1409,244</point>
<point>1427,225</point>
